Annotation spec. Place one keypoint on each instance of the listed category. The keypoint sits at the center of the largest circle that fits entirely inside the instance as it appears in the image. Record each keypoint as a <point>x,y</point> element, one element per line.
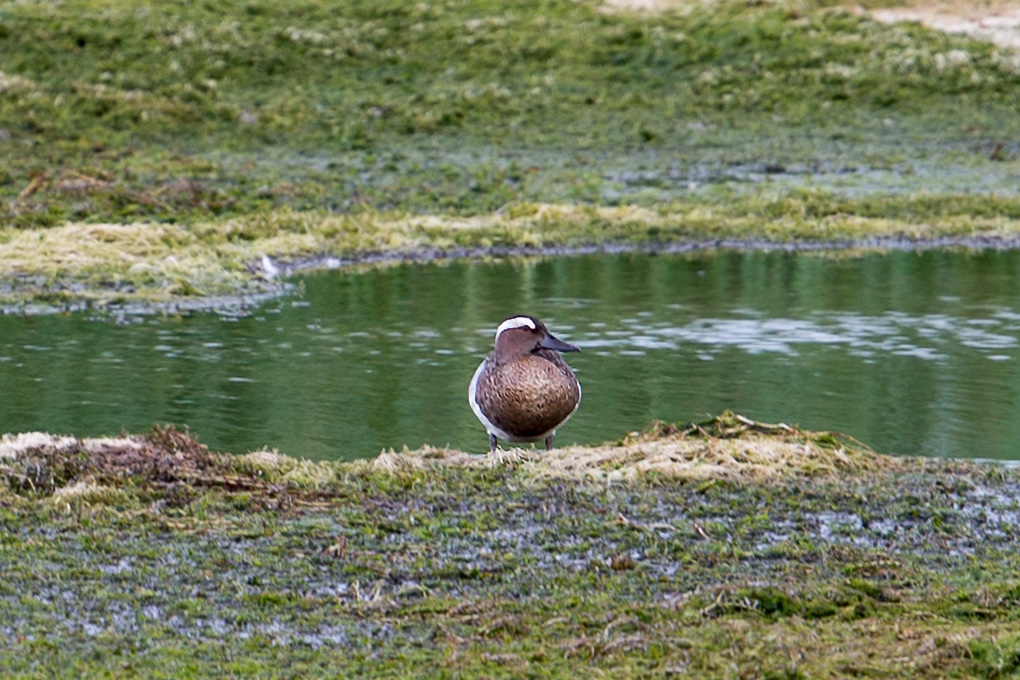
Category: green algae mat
<point>723,549</point>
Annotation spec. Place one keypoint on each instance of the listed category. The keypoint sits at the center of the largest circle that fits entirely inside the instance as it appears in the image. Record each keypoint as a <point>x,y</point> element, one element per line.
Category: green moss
<point>998,657</point>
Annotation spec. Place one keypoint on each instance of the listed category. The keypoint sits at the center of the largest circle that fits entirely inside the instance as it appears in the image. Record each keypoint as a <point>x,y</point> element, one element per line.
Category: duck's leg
<point>499,456</point>
<point>548,442</point>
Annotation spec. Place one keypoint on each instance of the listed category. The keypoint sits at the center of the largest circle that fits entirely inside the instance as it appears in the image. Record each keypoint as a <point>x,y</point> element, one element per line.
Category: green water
<point>913,353</point>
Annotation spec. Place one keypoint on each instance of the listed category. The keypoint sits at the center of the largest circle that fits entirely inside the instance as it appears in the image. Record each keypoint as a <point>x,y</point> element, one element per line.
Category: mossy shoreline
<point>709,550</point>
<point>246,260</point>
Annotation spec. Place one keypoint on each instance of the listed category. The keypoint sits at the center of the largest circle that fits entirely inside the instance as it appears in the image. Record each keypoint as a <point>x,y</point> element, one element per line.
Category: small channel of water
<point>913,353</point>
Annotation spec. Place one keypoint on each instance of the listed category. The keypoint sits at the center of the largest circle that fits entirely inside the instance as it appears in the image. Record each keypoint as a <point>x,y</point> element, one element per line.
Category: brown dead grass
<point>728,447</point>
<point>38,463</point>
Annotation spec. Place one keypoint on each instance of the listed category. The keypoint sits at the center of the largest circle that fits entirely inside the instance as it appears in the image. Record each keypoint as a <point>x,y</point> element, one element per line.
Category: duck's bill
<point>552,342</point>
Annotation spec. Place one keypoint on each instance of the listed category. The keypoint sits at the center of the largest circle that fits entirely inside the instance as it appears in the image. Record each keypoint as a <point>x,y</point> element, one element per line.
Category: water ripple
<point>925,337</point>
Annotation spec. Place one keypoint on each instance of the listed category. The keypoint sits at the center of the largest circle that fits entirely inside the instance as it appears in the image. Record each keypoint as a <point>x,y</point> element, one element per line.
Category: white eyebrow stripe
<point>515,322</point>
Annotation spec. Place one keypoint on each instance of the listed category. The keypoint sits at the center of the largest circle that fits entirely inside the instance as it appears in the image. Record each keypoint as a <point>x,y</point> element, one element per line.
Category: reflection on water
<point>911,353</point>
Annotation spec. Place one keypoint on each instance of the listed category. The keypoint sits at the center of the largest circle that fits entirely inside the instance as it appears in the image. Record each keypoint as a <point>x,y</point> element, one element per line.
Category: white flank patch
<point>515,322</point>
<point>473,400</point>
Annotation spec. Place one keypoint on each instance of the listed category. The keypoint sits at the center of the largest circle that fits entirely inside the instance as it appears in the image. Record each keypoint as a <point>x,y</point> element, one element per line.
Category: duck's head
<point>520,335</point>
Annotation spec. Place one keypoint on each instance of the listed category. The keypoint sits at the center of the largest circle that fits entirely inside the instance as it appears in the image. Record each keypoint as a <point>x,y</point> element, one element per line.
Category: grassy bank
<point>211,136</point>
<point>726,549</point>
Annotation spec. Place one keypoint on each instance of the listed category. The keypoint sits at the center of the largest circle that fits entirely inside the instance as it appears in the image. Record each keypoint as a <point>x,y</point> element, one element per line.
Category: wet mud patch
<point>676,551</point>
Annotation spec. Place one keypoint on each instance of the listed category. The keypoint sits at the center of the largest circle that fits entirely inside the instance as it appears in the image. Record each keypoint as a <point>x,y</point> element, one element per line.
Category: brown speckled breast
<point>528,397</point>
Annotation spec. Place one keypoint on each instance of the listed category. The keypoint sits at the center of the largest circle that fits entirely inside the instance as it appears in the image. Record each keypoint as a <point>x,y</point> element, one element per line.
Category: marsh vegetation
<point>156,152</point>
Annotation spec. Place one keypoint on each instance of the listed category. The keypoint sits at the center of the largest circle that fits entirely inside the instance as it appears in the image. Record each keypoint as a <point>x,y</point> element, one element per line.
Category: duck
<point>523,391</point>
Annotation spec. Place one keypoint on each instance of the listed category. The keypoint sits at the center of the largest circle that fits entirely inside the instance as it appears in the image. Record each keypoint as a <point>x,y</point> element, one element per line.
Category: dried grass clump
<point>728,446</point>
<point>13,445</point>
<point>86,493</point>
<point>42,463</point>
<point>277,468</point>
<point>38,463</point>
<point>425,457</point>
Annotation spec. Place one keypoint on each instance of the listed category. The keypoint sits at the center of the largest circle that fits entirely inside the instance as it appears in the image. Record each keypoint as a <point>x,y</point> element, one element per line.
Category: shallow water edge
<point>263,285</point>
